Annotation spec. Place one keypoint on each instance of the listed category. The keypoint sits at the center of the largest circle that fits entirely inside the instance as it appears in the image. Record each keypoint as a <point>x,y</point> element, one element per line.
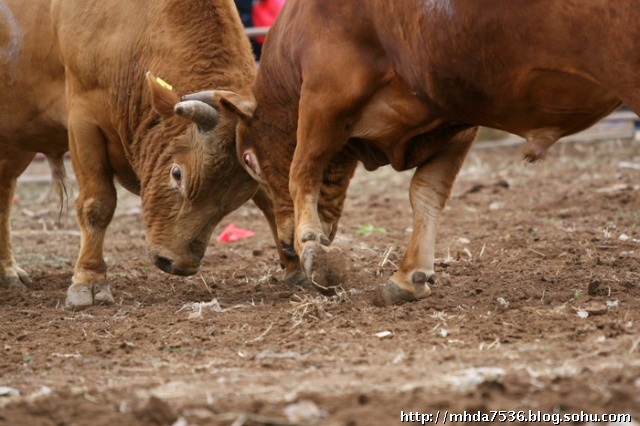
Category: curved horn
<point>207,97</point>
<point>201,113</point>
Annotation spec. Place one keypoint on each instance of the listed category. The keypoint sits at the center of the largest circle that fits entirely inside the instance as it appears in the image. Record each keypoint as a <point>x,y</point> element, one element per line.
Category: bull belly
<point>560,101</point>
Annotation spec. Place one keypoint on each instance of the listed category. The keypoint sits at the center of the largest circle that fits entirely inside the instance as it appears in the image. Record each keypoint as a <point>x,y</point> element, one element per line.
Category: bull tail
<point>60,181</point>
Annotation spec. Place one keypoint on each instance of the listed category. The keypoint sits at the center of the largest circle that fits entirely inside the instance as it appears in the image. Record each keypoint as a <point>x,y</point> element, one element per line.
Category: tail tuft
<point>60,180</point>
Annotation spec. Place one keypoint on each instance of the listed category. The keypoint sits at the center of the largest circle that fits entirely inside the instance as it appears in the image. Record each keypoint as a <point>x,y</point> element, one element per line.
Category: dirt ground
<point>536,307</point>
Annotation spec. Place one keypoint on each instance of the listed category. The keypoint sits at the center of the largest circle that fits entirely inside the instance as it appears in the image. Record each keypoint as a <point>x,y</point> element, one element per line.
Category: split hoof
<point>324,268</point>
<point>102,294</point>
<point>81,296</point>
<point>391,294</point>
<point>23,276</point>
<point>15,279</point>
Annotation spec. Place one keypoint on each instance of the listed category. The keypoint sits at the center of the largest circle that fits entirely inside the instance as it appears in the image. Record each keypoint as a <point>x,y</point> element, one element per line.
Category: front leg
<point>333,191</point>
<point>95,206</point>
<point>429,191</point>
<point>12,164</point>
<point>324,268</point>
<point>321,135</point>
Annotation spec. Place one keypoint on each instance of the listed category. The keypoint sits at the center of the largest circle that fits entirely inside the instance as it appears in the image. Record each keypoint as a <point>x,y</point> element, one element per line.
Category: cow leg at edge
<point>95,206</point>
<point>12,164</point>
<point>429,191</point>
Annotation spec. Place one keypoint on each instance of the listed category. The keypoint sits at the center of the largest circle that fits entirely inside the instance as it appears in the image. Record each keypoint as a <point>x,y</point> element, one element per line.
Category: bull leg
<point>321,135</point>
<point>320,138</point>
<point>429,191</point>
<point>334,191</point>
<point>95,206</point>
<point>289,261</point>
<point>12,164</point>
<point>323,268</point>
<point>317,264</point>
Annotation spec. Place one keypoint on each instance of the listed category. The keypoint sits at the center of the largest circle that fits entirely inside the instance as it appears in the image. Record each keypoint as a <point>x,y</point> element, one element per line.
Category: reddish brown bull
<point>79,71</point>
<point>405,82</point>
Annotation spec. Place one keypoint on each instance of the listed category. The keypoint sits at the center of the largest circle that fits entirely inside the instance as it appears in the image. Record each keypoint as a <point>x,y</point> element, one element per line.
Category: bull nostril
<point>164,264</point>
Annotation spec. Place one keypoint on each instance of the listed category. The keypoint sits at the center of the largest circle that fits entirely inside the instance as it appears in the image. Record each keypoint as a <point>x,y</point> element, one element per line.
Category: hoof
<point>391,294</point>
<point>324,268</point>
<point>16,279</point>
<point>23,276</point>
<point>12,283</point>
<point>79,297</point>
<point>102,294</point>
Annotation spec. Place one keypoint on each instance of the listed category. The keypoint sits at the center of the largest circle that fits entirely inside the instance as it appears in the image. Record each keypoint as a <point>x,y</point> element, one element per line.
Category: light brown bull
<point>404,83</point>
<point>76,75</point>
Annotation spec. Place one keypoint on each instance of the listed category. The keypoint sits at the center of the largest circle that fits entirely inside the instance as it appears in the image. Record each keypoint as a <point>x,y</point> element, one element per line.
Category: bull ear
<point>242,106</point>
<point>163,98</point>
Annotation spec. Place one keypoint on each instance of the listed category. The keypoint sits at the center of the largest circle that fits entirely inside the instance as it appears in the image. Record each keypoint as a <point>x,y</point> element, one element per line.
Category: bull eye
<point>176,174</point>
<point>247,159</point>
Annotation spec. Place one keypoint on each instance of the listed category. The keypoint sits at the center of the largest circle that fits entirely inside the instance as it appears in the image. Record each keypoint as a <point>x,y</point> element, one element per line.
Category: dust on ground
<point>536,307</point>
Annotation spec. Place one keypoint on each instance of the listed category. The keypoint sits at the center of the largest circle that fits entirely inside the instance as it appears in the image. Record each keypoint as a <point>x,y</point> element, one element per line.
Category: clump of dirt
<point>325,267</point>
<point>156,412</point>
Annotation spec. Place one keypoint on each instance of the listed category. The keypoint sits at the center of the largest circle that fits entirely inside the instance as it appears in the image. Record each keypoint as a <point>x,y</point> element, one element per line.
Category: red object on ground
<point>264,14</point>
<point>14,201</point>
<point>232,233</point>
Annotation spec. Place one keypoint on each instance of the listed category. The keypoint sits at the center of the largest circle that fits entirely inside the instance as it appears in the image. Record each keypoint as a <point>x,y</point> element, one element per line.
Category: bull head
<point>192,183</point>
<point>243,107</point>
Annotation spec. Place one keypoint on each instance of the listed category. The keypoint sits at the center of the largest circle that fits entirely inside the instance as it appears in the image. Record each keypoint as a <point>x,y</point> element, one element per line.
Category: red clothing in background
<point>265,13</point>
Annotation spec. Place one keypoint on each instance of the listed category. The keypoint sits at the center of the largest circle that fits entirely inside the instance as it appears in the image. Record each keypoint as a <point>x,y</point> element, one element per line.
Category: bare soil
<point>536,307</point>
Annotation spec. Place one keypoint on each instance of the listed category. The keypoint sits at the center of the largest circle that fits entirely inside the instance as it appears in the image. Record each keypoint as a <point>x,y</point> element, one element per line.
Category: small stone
<point>383,334</point>
<point>7,391</point>
<point>303,412</point>
<point>497,205</point>
<point>503,303</point>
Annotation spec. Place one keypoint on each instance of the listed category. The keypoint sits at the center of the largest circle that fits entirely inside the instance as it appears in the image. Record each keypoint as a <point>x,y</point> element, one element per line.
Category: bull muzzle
<point>178,266</point>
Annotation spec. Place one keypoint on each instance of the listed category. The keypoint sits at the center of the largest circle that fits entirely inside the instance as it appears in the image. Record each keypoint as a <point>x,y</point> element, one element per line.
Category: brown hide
<point>404,82</point>
<point>121,125</point>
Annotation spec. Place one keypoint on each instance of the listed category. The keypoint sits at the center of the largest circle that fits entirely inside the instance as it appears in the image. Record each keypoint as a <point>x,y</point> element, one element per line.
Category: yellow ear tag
<point>163,83</point>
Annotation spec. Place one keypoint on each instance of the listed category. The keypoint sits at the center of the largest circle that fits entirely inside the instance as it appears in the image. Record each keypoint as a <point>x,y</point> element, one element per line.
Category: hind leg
<point>12,164</point>
<point>430,188</point>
